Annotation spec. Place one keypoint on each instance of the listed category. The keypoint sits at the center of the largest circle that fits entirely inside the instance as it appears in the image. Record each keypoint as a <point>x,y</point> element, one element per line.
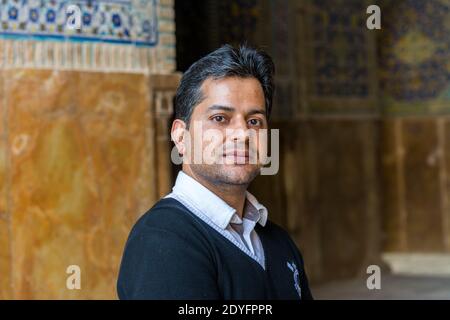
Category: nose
<point>239,131</point>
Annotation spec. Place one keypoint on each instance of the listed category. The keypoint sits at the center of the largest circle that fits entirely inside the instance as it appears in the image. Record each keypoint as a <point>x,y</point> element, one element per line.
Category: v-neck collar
<point>244,250</point>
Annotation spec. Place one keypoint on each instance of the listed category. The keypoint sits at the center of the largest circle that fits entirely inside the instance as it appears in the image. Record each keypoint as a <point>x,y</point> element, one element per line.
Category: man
<point>210,238</point>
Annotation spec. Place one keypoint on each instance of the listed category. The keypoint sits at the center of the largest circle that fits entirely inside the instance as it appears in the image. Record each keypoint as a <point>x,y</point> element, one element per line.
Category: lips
<point>237,157</point>
<point>237,153</point>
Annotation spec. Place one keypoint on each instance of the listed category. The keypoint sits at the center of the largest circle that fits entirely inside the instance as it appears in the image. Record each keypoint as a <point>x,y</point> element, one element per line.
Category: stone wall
<point>127,36</point>
<point>83,142</point>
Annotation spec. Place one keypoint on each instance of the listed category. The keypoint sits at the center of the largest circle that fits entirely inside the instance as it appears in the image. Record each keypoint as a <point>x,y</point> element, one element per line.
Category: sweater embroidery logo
<point>293,267</point>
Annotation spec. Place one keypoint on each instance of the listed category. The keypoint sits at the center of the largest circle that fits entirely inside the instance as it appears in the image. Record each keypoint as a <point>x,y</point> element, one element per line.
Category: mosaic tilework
<point>338,59</point>
<point>415,55</point>
<point>116,21</point>
<point>339,45</point>
<point>238,20</point>
<point>283,53</point>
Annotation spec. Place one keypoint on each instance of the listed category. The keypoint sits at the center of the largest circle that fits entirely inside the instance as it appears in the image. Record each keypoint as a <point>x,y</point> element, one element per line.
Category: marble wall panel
<point>81,174</point>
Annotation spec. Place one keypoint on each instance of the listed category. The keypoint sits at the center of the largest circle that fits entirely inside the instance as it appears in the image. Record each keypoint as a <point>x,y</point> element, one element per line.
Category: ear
<point>177,133</point>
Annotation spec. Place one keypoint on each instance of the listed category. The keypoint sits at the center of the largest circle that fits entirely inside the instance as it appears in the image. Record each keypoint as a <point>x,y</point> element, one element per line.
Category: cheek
<point>256,140</point>
<point>213,141</point>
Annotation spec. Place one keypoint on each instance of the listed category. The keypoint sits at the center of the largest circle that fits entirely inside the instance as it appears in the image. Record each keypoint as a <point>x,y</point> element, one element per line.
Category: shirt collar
<point>263,212</point>
<point>217,210</point>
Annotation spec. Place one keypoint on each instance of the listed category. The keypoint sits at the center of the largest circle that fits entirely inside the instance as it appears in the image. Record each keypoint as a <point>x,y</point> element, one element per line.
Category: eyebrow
<point>220,107</point>
<point>231,109</point>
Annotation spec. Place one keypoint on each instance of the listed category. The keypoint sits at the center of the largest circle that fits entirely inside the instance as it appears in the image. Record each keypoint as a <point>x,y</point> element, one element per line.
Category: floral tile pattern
<point>117,21</point>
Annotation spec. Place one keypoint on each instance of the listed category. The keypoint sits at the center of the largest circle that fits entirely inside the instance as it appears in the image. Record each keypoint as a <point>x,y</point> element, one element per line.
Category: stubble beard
<point>231,175</point>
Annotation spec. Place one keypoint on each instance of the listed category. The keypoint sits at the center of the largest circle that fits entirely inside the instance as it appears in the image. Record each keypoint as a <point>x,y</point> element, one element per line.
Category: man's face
<point>229,119</point>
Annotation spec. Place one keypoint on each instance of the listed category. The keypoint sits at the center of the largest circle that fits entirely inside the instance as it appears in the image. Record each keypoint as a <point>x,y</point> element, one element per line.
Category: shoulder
<point>168,231</point>
<point>166,213</point>
<point>168,219</point>
<point>167,256</point>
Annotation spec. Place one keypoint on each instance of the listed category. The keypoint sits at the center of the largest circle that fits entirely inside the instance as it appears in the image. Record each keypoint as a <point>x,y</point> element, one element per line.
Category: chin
<point>238,174</point>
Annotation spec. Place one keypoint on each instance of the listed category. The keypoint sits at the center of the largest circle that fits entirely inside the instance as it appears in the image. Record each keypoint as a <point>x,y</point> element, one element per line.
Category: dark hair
<point>227,61</point>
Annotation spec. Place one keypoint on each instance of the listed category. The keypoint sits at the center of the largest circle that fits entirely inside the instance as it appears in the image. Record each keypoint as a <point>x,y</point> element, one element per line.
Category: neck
<point>233,195</point>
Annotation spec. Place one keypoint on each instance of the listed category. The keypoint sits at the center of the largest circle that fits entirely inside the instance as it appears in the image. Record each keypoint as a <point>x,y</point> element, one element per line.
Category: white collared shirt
<point>222,217</point>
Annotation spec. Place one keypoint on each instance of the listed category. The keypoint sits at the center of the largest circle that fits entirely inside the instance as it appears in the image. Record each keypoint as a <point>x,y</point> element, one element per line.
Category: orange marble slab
<point>81,174</point>
<point>5,252</point>
<point>5,261</point>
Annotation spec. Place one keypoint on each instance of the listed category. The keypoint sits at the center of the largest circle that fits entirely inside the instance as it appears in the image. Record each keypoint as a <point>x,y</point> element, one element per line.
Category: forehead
<point>233,91</point>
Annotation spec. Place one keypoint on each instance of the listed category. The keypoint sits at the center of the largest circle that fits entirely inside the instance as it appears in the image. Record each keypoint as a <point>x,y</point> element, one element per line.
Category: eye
<point>218,118</point>
<point>254,122</point>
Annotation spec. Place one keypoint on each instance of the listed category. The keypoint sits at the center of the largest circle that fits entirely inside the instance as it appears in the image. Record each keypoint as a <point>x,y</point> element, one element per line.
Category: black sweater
<point>173,254</point>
